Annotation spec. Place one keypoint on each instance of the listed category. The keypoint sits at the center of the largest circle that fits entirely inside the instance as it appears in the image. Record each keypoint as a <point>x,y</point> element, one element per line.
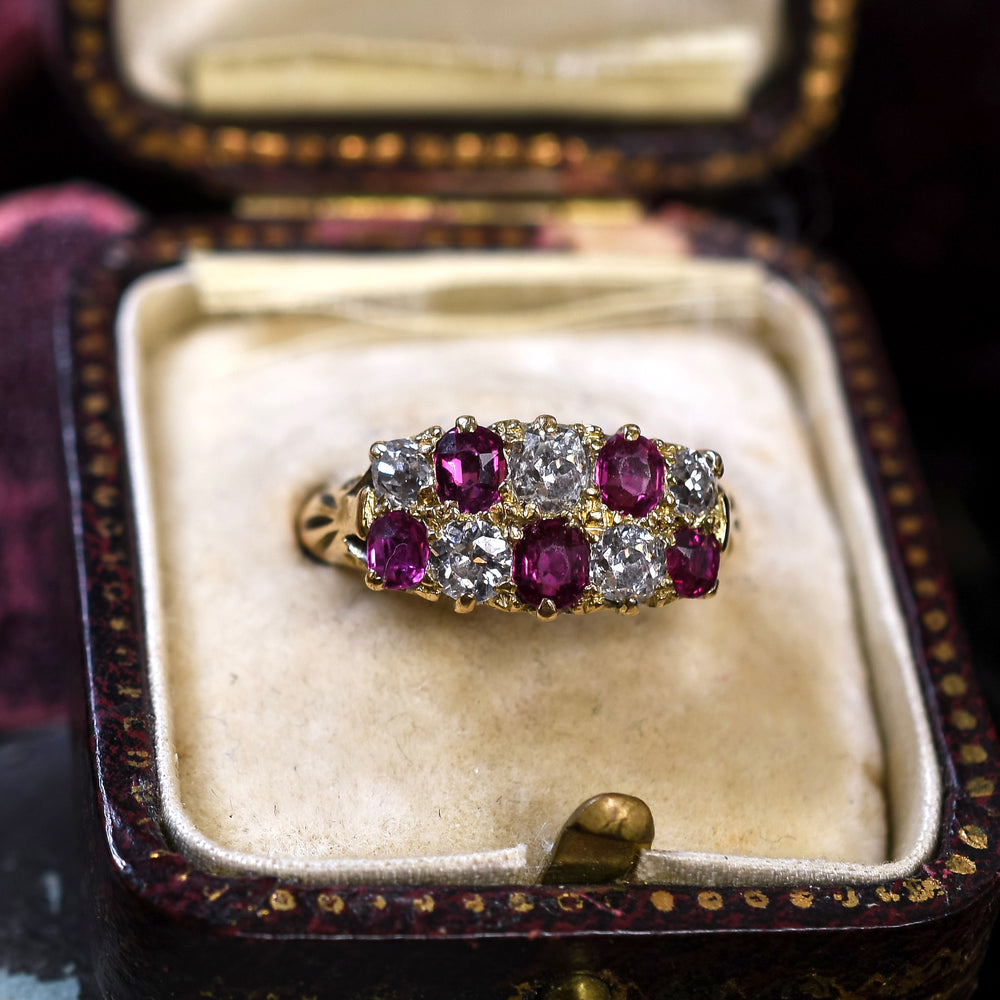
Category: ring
<point>540,517</point>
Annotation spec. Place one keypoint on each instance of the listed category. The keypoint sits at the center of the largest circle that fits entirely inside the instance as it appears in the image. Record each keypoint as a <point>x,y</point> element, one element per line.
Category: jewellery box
<point>298,788</point>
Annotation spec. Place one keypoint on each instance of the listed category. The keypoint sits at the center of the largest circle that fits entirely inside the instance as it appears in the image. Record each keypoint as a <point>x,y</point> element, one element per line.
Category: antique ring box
<point>297,788</point>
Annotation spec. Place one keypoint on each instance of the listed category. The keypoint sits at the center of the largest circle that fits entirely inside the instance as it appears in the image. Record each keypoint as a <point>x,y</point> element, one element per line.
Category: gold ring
<point>539,517</point>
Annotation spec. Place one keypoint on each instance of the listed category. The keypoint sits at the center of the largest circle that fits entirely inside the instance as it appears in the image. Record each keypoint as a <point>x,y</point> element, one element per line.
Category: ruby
<point>693,562</point>
<point>397,550</point>
<point>470,466</point>
<point>551,562</point>
<point>630,475</point>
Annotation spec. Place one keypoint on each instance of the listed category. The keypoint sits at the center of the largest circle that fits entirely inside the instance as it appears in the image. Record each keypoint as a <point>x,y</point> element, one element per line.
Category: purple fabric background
<point>20,43</point>
<point>43,234</point>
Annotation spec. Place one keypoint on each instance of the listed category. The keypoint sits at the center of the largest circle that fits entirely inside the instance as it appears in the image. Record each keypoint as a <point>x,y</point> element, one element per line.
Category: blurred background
<point>905,191</point>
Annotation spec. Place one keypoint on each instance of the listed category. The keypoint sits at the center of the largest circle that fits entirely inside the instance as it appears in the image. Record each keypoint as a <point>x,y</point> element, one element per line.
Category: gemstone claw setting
<point>538,516</point>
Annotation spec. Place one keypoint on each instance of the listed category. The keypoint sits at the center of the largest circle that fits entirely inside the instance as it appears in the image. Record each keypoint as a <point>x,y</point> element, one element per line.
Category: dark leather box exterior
<point>164,928</point>
<point>167,929</point>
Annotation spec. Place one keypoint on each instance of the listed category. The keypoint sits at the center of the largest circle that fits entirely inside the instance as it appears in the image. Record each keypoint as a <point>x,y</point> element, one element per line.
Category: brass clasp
<point>601,841</point>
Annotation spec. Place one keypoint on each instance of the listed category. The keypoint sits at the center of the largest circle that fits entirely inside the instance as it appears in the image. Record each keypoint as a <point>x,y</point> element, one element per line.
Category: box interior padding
<point>566,57</point>
<point>309,728</point>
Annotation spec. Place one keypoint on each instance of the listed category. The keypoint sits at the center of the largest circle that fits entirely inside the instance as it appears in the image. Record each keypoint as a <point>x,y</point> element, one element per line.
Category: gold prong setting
<point>623,558</point>
<point>547,611</point>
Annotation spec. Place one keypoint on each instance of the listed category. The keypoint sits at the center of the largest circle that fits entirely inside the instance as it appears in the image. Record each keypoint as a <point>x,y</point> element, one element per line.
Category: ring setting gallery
<point>539,517</point>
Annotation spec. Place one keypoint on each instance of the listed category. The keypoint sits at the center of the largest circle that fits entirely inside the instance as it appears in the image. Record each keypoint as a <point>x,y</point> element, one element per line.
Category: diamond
<point>551,562</point>
<point>551,467</point>
<point>693,483</point>
<point>693,562</point>
<point>628,562</point>
<point>397,550</point>
<point>630,475</point>
<point>470,558</point>
<point>400,472</point>
<point>470,467</point>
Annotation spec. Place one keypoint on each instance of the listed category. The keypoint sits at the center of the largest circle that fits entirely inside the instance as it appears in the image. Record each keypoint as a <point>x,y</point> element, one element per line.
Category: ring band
<point>540,517</point>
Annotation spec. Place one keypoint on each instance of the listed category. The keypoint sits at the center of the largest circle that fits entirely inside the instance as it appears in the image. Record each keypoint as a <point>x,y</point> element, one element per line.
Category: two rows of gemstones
<point>543,517</point>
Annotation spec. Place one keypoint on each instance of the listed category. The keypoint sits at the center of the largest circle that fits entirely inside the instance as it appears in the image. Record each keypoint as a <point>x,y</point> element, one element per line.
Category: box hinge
<point>456,211</point>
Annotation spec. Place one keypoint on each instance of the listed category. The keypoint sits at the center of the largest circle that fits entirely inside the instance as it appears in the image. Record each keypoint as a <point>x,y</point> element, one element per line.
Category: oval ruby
<point>693,562</point>
<point>397,550</point>
<point>470,467</point>
<point>551,562</point>
<point>630,475</point>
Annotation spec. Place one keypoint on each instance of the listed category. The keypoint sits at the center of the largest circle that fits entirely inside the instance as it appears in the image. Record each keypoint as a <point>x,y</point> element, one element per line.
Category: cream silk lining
<point>308,728</point>
<point>577,57</point>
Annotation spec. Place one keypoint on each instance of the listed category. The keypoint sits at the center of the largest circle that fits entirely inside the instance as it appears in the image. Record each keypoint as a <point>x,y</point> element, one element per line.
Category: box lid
<point>536,152</point>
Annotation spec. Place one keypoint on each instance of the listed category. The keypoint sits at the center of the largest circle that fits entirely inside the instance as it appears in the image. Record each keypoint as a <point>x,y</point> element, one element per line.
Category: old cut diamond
<point>470,558</point>
<point>400,472</point>
<point>627,562</point>
<point>693,483</point>
<point>550,468</point>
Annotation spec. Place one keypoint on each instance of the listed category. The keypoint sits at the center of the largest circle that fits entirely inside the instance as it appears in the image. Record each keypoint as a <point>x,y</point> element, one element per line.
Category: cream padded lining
<point>644,57</point>
<point>307,727</point>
